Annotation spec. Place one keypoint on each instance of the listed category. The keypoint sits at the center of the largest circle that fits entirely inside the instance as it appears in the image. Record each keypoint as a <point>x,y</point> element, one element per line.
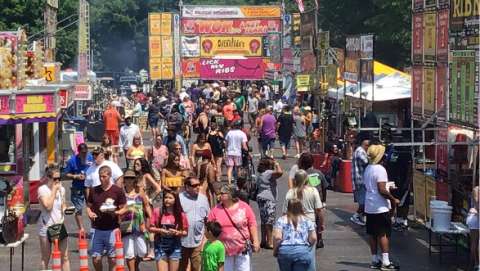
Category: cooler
<point>343,183</point>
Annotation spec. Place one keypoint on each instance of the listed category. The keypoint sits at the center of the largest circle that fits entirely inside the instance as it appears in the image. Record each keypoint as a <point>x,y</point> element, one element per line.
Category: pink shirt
<point>243,217</point>
<point>160,155</point>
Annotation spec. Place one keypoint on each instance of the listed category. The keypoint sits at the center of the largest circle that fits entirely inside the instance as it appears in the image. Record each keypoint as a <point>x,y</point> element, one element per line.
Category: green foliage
<point>119,34</point>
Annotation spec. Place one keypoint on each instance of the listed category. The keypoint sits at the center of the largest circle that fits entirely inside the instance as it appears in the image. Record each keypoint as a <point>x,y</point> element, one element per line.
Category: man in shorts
<point>105,204</point>
<point>76,170</point>
<point>377,207</point>
<point>111,120</point>
<point>359,163</point>
<point>236,142</point>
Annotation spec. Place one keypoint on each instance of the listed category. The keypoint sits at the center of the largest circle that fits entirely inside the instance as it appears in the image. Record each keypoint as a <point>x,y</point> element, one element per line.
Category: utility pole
<point>50,22</point>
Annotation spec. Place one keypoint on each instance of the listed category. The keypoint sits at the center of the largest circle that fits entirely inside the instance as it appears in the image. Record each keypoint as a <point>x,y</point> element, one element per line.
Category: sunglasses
<point>56,179</point>
<point>194,185</point>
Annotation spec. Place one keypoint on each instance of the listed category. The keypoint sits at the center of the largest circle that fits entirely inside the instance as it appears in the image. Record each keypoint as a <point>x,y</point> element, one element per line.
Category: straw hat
<point>375,153</point>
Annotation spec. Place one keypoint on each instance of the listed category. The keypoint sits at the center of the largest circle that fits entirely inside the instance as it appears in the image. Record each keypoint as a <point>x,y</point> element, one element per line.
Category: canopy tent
<point>390,84</point>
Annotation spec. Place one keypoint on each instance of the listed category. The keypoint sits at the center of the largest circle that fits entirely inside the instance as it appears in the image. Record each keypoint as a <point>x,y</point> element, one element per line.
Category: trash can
<point>343,183</point>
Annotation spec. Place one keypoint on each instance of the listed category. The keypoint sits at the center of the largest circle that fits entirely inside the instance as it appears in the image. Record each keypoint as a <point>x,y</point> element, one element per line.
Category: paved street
<point>346,247</point>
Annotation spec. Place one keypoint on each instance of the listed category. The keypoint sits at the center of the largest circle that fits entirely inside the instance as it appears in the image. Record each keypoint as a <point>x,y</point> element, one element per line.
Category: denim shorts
<point>268,143</point>
<point>102,243</point>
<point>168,249</point>
<point>294,258</point>
<point>77,197</point>
<point>359,194</point>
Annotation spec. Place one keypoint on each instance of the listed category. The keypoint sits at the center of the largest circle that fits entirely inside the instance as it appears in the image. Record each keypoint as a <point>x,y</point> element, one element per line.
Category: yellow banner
<point>167,68</point>
<point>154,22</point>
<point>259,11</point>
<point>429,36</point>
<point>155,46</point>
<point>166,24</point>
<point>155,69</point>
<point>303,82</point>
<point>167,46</point>
<point>241,46</point>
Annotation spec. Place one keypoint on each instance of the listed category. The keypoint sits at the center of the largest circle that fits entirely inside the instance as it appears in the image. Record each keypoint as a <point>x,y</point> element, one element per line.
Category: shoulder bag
<point>57,231</point>
<point>248,243</point>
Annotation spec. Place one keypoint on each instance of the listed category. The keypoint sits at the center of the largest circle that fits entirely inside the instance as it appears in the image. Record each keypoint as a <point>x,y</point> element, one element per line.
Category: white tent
<point>387,87</point>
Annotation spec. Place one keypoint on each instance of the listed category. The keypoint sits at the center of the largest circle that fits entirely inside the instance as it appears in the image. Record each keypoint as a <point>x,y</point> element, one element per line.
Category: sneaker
<point>376,265</point>
<point>391,266</point>
<point>320,243</point>
<point>357,220</point>
<point>297,156</point>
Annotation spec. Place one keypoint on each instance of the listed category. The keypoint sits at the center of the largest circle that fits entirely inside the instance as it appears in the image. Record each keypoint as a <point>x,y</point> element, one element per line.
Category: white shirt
<point>182,95</point>
<point>93,179</point>
<point>375,203</point>
<point>266,92</point>
<point>278,107</point>
<point>127,133</point>
<point>55,215</point>
<point>234,139</point>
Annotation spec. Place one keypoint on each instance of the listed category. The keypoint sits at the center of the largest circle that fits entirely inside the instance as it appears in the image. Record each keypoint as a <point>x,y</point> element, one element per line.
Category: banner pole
<point>373,71</point>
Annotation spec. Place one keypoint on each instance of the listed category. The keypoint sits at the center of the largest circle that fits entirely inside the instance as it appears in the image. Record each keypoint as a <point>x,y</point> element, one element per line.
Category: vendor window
<point>7,148</point>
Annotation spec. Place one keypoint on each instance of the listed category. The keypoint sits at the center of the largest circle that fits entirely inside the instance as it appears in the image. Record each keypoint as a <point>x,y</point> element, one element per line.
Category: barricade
<point>56,257</point>
<point>119,259</point>
<point>83,250</point>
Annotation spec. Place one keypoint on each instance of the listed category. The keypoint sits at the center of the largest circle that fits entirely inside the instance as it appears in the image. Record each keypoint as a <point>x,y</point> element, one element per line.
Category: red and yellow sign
<point>166,24</point>
<point>155,22</point>
<point>167,68</point>
<point>42,103</point>
<point>191,67</point>
<point>155,45</point>
<point>167,46</point>
<point>230,27</point>
<point>261,11</point>
<point>155,68</point>
<point>241,46</point>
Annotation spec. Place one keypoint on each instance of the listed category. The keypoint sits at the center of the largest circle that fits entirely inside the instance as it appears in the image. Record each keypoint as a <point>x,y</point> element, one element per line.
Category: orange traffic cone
<point>83,251</point>
<point>119,260</point>
<point>56,260</point>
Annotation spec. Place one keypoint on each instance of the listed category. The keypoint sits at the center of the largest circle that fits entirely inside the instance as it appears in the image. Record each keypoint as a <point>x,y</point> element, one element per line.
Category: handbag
<point>10,230</point>
<point>248,243</point>
<point>57,231</point>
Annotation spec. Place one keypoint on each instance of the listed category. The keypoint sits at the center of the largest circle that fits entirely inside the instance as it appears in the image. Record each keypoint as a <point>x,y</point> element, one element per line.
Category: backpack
<point>12,226</point>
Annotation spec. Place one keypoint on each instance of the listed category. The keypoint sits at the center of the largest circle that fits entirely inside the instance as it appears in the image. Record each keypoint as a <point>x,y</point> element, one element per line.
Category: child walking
<point>213,255</point>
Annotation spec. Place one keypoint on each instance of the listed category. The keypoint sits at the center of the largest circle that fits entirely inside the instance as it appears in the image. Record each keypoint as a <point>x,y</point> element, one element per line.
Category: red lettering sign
<point>230,27</point>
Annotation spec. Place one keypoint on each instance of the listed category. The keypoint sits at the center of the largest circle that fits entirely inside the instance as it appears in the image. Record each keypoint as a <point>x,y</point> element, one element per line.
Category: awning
<point>29,105</point>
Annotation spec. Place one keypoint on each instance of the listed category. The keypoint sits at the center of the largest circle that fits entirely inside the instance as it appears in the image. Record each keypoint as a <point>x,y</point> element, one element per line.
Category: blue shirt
<point>292,236</point>
<point>75,166</point>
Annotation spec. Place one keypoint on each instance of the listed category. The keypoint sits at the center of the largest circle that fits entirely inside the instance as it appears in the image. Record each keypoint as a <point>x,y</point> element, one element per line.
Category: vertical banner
<point>442,36</point>
<point>442,151</point>
<point>167,46</point>
<point>340,53</point>
<point>167,68</point>
<point>176,51</point>
<point>441,90</point>
<point>417,86</point>
<point>308,62</point>
<point>366,47</point>
<point>428,91</point>
<point>190,46</point>
<point>296,22</point>
<point>155,68</point>
<point>83,41</point>
<point>352,62</point>
<point>417,5</point>
<point>287,31</point>
<point>417,37</point>
<point>155,46</point>
<point>367,71</point>
<point>166,24</point>
<point>463,105</point>
<point>429,33</point>
<point>154,24</point>
<point>274,44</point>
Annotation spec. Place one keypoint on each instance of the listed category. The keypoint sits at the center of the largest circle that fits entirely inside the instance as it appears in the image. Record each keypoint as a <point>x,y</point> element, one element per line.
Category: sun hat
<point>375,153</point>
<point>129,174</point>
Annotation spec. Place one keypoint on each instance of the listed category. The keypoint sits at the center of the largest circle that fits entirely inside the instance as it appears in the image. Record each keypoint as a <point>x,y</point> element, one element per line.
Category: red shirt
<point>111,119</point>
<point>228,112</point>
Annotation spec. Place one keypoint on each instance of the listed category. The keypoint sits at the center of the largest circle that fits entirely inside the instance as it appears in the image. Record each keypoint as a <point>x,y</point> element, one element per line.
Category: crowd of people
<point>183,196</point>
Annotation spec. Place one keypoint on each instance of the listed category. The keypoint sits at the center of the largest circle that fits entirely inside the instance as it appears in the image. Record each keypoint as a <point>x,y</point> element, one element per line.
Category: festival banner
<point>417,37</point>
<point>155,69</point>
<point>41,103</point>
<point>442,36</point>
<point>303,82</point>
<point>82,92</point>
<point>366,71</point>
<point>232,69</point>
<point>265,46</point>
<point>441,90</point>
<point>417,86</point>
<point>442,151</point>
<point>230,27</point>
<point>177,65</point>
<point>297,60</point>
<point>307,20</point>
<point>340,53</point>
<point>464,24</point>
<point>323,40</point>
<point>191,67</point>
<point>418,5</point>
<point>287,31</point>
<point>308,62</point>
<point>352,61</point>
<point>463,106</point>
<point>332,75</point>
<point>4,105</point>
<point>429,31</point>
<point>167,46</point>
<point>366,47</point>
<point>190,46</point>
<point>287,61</point>
<point>155,46</point>
<point>154,24</point>
<point>275,47</point>
<point>239,46</point>
<point>167,68</point>
<point>166,24</point>
<point>430,3</point>
<point>296,22</point>
<point>428,91</point>
<point>216,12</point>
